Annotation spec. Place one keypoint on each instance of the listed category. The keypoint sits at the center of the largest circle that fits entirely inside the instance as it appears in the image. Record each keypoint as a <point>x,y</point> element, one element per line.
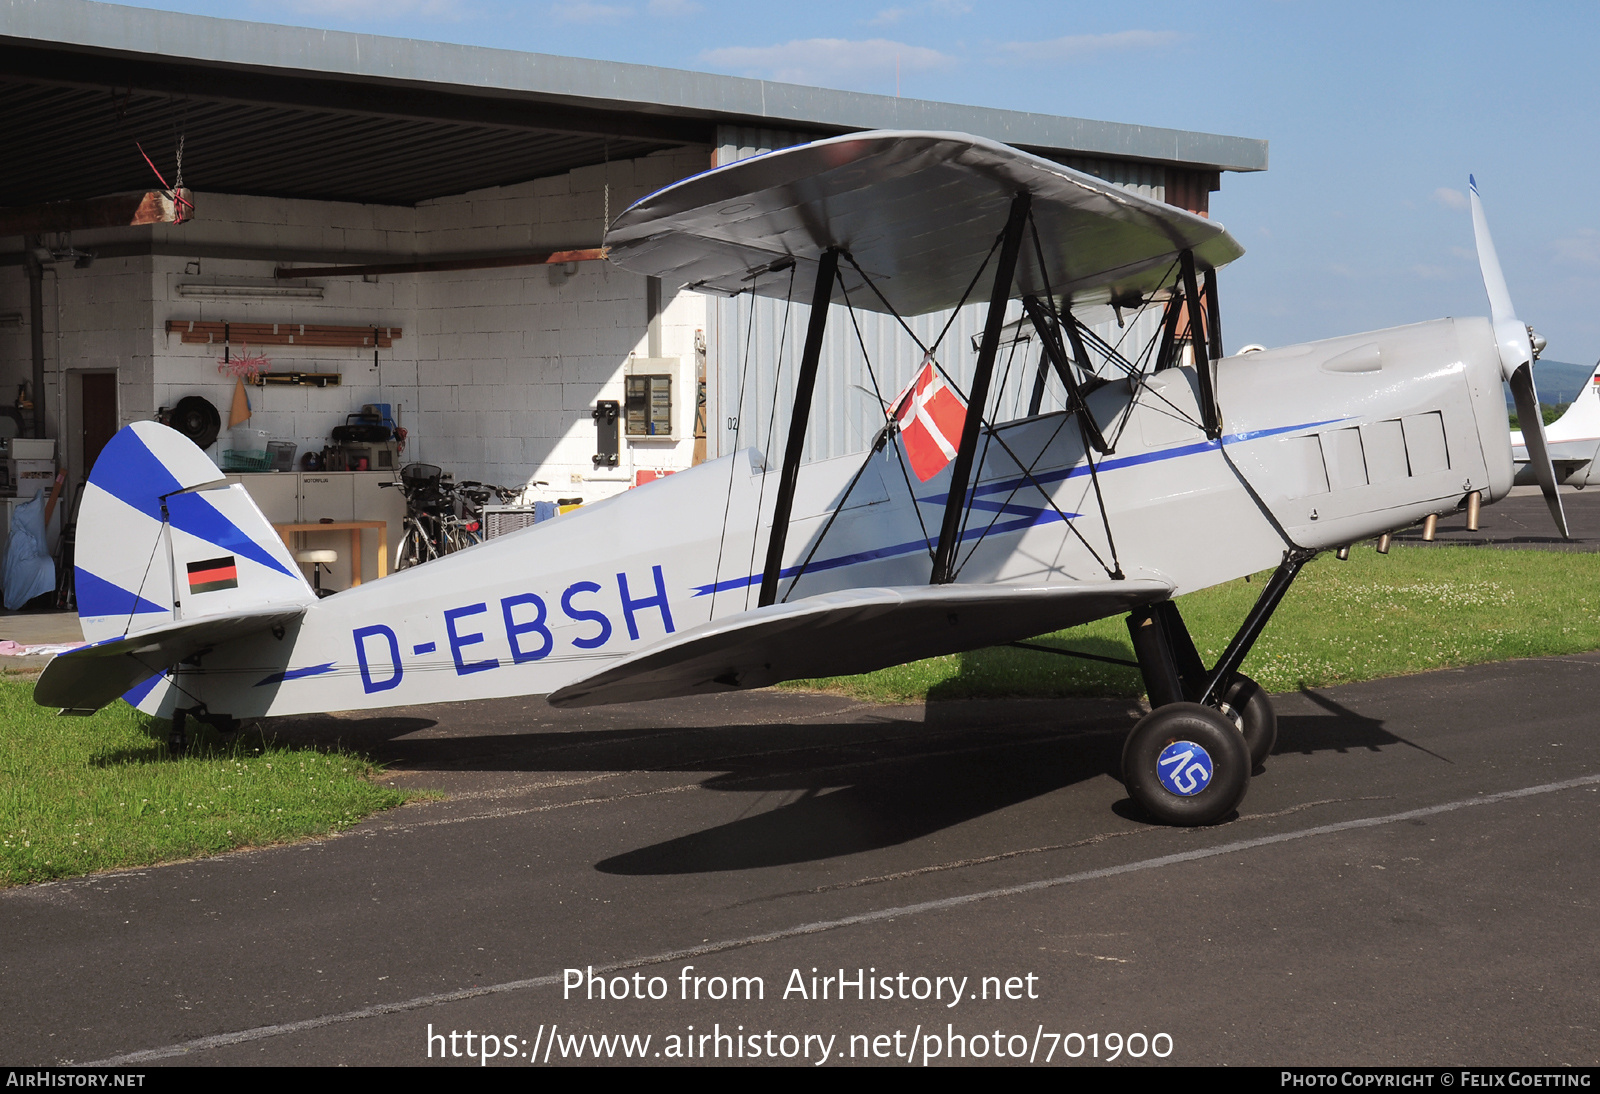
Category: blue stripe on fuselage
<point>1041,516</point>
<point>1116,463</point>
<point>296,674</point>
<point>1035,516</point>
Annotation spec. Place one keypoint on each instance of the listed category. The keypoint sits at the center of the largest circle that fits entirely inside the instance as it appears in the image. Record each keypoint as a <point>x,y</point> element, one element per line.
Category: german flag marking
<point>213,574</point>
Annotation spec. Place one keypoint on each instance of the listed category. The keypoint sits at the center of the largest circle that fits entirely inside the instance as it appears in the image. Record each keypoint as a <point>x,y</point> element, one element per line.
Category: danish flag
<point>930,416</point>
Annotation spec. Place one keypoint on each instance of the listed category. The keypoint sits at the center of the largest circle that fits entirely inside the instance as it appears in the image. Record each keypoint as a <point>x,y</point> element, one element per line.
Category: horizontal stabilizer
<point>852,631</point>
<point>86,679</point>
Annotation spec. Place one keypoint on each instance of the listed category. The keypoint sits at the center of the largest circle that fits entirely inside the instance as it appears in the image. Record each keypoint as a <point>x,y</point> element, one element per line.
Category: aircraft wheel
<point>1246,705</point>
<point>1186,764</point>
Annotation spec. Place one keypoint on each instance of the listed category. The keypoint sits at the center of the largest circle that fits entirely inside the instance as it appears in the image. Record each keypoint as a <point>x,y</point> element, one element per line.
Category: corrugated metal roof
<point>307,113</point>
<point>79,142</point>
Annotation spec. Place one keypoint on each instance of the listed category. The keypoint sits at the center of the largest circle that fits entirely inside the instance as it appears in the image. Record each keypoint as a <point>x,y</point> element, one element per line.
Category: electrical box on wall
<point>649,411</point>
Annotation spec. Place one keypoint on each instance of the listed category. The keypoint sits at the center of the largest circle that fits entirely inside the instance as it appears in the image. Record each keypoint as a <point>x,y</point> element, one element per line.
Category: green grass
<point>1377,615</point>
<point>85,794</point>
<point>1549,411</point>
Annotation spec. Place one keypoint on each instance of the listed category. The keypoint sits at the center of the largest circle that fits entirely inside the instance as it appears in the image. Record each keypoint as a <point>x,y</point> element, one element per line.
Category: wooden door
<point>98,417</point>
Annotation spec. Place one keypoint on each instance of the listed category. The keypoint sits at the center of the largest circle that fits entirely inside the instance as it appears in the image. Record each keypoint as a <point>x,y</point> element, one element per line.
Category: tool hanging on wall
<point>240,411</point>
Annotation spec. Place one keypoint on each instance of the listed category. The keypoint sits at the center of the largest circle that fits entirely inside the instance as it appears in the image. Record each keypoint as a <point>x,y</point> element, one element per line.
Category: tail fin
<point>1582,418</point>
<point>152,549</point>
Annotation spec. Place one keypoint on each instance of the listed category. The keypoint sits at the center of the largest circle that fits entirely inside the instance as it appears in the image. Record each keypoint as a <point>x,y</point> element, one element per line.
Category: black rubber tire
<point>1247,706</point>
<point>413,548</point>
<point>1230,760</point>
<point>197,419</point>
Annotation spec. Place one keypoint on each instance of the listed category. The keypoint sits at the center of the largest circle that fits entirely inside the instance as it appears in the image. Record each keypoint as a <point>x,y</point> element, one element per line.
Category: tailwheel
<point>1246,705</point>
<point>1186,764</point>
<point>178,740</point>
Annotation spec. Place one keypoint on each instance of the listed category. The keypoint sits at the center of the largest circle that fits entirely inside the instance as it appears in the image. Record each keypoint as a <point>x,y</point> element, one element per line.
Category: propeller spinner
<point>1518,346</point>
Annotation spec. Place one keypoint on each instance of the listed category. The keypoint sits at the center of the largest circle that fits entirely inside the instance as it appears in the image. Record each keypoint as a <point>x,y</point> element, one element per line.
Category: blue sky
<point>1375,113</point>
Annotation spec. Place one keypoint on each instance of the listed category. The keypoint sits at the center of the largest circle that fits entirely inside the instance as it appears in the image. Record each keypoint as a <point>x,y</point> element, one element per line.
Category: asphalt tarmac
<point>1411,880</point>
<point>1521,521</point>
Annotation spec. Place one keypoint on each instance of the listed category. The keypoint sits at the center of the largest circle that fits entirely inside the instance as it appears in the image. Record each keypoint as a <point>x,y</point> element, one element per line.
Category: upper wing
<point>918,212</point>
<point>856,630</point>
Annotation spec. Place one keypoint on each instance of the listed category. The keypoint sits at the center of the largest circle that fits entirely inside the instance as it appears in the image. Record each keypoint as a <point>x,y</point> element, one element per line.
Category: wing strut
<point>1058,358</point>
<point>805,384</point>
<point>1202,356</point>
<point>1213,317</point>
<point>1165,357</point>
<point>978,397</point>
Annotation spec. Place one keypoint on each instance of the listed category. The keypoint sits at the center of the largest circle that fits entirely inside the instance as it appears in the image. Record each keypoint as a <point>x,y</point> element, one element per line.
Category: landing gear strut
<point>178,742</point>
<point>1175,763</point>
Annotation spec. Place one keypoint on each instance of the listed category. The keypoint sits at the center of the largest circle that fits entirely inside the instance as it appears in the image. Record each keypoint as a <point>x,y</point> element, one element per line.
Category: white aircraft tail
<point>1581,422</point>
<point>152,549</point>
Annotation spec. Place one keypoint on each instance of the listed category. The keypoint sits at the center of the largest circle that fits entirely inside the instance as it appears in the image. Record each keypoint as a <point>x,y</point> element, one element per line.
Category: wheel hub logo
<point>1184,768</point>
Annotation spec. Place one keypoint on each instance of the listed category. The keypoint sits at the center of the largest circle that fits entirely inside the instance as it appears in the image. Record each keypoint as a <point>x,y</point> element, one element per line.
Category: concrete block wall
<point>513,360</point>
<point>287,226</point>
<point>304,415</point>
<point>95,319</point>
<point>16,360</point>
<point>496,371</point>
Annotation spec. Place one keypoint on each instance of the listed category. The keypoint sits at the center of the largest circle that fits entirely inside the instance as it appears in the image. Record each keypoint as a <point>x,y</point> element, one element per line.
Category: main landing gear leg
<point>1176,762</point>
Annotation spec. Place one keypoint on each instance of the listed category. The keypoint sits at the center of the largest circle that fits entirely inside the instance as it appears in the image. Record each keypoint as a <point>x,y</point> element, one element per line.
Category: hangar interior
<point>440,179</point>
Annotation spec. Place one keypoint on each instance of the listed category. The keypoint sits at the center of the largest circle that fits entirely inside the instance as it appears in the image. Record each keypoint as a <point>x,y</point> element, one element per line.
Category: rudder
<point>152,547</point>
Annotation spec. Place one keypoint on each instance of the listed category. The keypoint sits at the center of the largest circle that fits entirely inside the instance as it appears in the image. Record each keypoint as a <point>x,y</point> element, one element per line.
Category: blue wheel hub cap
<point>1184,768</point>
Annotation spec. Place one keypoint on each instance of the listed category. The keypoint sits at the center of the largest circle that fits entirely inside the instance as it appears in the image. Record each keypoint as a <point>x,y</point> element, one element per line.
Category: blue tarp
<point>29,571</point>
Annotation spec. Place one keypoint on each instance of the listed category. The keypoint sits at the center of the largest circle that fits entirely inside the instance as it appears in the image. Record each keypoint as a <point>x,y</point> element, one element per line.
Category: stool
<point>318,559</point>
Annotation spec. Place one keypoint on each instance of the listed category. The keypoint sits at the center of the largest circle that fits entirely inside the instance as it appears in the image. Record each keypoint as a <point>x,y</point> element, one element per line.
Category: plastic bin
<point>29,448</point>
<point>234,460</point>
<point>246,439</point>
<point>281,454</point>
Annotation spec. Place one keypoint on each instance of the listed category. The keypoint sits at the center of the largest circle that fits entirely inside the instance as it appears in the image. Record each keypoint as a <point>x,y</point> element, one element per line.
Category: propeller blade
<point>1510,333</point>
<point>1532,421</point>
<point>1514,340</point>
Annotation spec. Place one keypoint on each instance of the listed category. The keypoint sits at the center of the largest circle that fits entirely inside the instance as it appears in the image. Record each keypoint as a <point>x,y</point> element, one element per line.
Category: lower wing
<point>856,630</point>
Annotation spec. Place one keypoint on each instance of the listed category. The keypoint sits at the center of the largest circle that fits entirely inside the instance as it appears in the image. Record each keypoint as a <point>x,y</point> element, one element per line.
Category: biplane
<point>959,528</point>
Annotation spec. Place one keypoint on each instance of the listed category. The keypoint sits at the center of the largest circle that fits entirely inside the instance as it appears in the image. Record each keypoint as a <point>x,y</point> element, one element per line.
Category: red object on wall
<point>642,477</point>
<point>931,416</point>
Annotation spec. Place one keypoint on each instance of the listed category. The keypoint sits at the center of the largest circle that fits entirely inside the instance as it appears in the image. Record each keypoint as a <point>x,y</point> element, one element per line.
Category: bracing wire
<point>772,421</point>
<point>139,593</point>
<point>988,436</point>
<point>1083,418</point>
<point>890,425</point>
<point>727,501</point>
<point>1048,500</point>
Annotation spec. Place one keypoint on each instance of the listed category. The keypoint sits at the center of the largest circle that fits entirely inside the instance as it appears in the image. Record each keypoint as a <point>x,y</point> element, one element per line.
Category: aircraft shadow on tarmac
<point>1339,730</point>
<point>822,789</point>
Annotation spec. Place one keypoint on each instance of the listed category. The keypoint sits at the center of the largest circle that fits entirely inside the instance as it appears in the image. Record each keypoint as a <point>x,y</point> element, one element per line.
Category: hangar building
<point>441,179</point>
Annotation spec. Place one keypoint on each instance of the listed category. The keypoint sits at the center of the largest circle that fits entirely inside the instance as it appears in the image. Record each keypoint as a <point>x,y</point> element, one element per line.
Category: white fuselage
<point>1323,444</point>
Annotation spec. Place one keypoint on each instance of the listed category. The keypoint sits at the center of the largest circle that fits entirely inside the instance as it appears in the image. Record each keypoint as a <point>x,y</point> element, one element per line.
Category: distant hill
<point>1558,382</point>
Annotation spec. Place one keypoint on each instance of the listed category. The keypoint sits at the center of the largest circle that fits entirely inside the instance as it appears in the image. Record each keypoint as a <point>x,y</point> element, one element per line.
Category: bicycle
<point>427,502</point>
<point>473,497</point>
<point>442,517</point>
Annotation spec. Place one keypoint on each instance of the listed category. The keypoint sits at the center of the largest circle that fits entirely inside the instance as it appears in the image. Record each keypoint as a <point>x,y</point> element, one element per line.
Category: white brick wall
<point>496,371</point>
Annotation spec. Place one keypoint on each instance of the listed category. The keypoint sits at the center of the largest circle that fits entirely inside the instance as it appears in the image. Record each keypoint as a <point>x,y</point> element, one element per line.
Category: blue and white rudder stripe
<point>153,547</point>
